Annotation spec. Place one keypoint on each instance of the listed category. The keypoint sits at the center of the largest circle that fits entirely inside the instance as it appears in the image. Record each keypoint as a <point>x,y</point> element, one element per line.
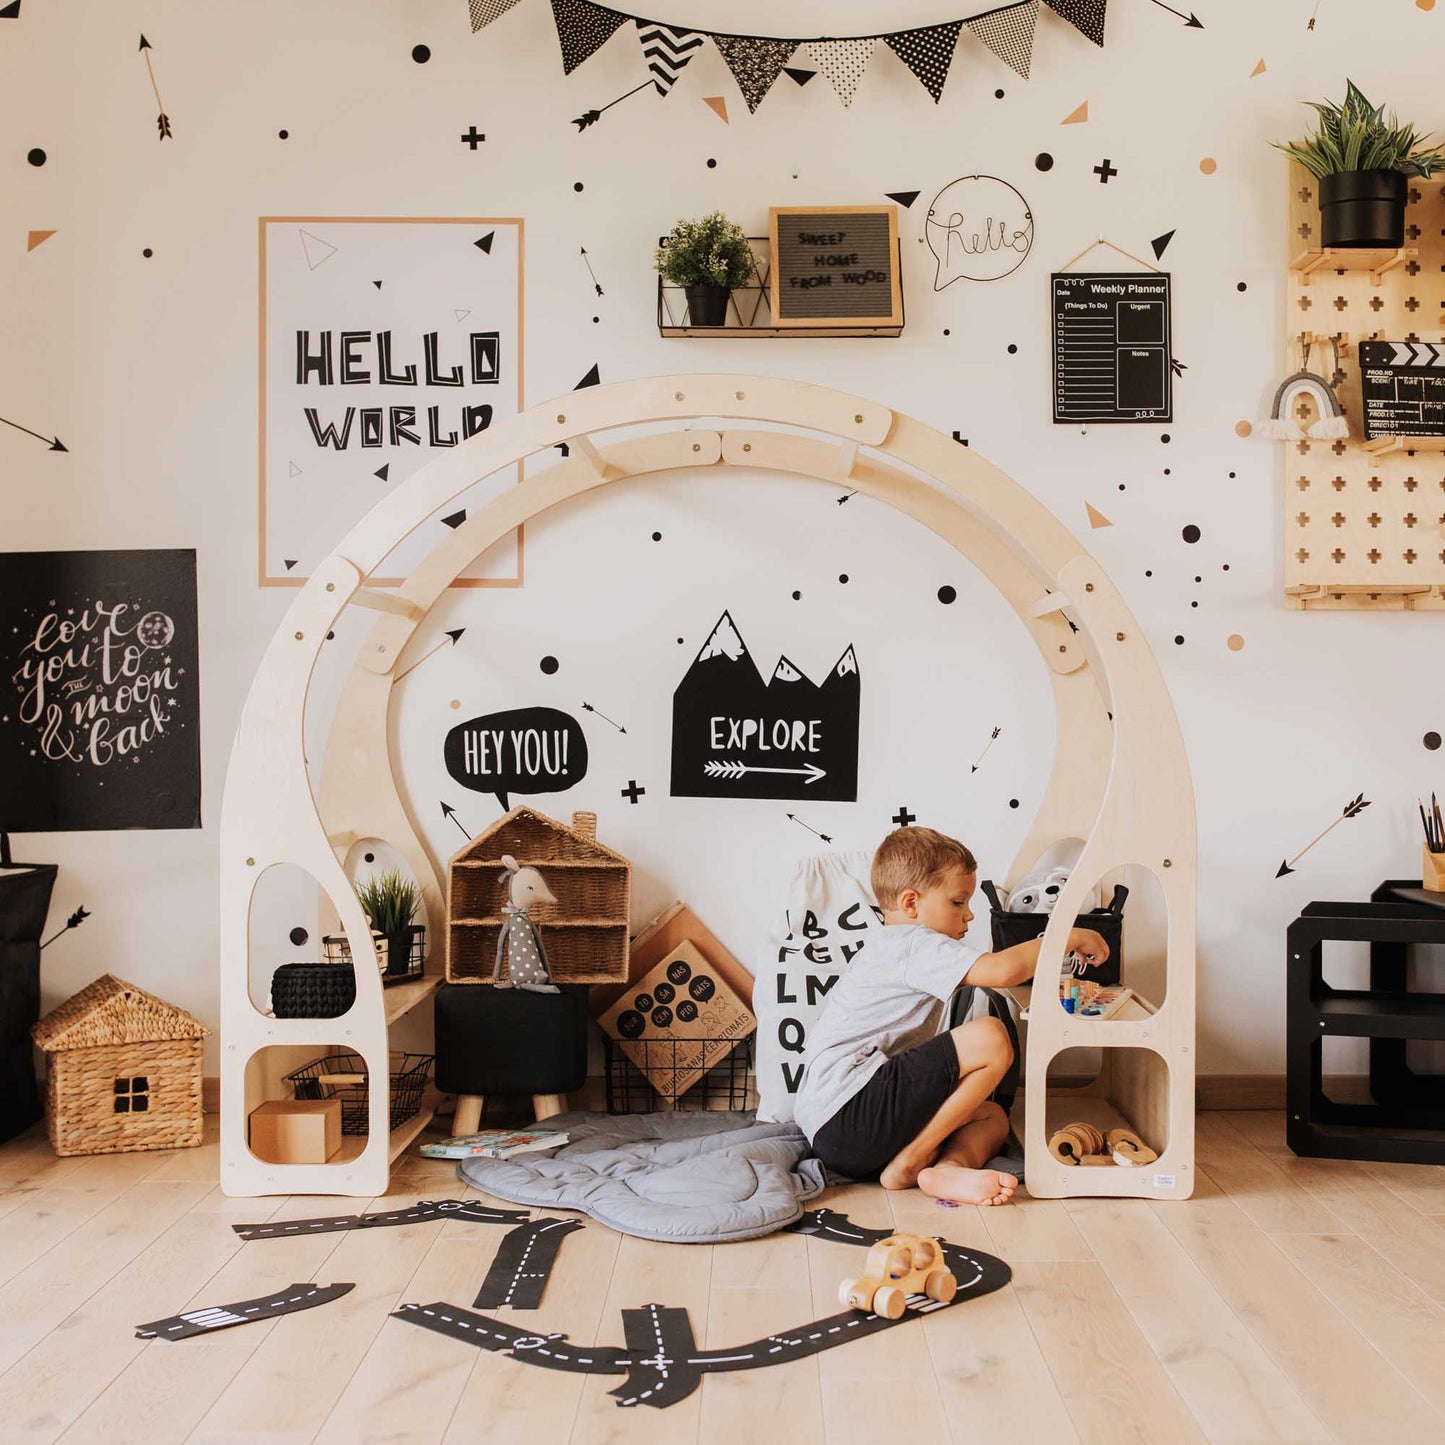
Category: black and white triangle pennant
<point>667,51</point>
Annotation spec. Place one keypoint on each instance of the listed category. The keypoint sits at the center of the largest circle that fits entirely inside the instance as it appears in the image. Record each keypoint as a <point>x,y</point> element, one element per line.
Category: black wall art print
<point>99,703</point>
<point>1111,347</point>
<point>735,735</point>
<point>523,750</point>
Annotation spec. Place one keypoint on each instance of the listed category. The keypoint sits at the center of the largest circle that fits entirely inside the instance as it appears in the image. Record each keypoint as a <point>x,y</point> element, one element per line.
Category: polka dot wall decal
<point>1424,4</point>
<point>283,134</point>
<point>998,95</point>
<point>1179,640</point>
<point>1234,642</point>
<point>36,157</point>
<point>1043,161</point>
<point>797,596</point>
<point>548,665</point>
<point>657,536</point>
<point>576,185</point>
<point>711,163</point>
<point>1241,286</point>
<point>1243,428</point>
<point>455,703</point>
<point>947,595</point>
<point>1432,741</point>
<point>1013,349</point>
<point>1191,533</point>
<point>596,319</point>
<point>147,253</point>
<point>1013,802</point>
<point>1208,165</point>
<point>369,857</point>
<point>843,577</point>
<point>947,332</point>
<point>421,53</point>
<point>679,642</point>
<point>298,936</point>
<point>1165,438</point>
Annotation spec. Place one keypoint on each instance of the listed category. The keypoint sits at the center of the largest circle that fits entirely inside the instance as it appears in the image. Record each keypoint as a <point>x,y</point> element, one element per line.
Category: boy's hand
<point>1088,945</point>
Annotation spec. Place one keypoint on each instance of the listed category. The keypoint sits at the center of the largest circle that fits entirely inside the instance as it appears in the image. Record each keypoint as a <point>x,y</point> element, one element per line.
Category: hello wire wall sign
<point>756,61</point>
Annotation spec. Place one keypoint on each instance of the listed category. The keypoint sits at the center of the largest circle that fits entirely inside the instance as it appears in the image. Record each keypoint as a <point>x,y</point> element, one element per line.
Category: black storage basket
<point>323,1079</point>
<point>1011,928</point>
<point>312,990</point>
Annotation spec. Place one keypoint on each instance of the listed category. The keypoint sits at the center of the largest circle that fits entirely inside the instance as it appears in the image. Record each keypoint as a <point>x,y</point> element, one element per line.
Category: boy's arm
<point>1011,966</point>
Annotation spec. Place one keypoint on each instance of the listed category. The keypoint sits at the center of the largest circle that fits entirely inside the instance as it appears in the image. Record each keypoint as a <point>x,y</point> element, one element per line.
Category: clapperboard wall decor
<point>835,266</point>
<point>1112,347</point>
<point>1403,386</point>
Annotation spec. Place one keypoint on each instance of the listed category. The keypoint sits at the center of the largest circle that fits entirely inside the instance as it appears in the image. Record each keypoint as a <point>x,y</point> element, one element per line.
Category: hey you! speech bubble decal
<point>735,735</point>
<point>524,750</point>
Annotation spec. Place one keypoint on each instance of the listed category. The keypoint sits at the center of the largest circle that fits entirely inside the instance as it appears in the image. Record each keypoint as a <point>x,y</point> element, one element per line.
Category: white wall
<point>147,369</point>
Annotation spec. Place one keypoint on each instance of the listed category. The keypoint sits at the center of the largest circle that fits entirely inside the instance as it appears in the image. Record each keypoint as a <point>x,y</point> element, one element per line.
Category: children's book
<point>495,1144</point>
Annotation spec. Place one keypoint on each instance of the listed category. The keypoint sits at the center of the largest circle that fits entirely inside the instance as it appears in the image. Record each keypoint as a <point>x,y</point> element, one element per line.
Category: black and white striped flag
<point>666,50</point>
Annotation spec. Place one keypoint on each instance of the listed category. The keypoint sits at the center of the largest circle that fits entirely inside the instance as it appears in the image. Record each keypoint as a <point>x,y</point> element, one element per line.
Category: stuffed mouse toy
<point>520,945</point>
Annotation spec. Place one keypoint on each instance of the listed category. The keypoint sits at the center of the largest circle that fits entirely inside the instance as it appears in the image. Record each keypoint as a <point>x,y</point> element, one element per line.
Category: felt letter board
<point>1403,387</point>
<point>1111,348</point>
<point>835,266</point>
<point>100,713</point>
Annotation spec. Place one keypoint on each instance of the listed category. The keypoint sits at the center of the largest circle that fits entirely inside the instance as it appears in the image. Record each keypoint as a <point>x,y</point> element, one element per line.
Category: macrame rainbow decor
<point>1330,422</point>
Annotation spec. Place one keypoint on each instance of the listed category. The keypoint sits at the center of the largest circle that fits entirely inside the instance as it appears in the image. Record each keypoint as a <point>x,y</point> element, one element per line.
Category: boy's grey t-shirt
<point>890,1000</point>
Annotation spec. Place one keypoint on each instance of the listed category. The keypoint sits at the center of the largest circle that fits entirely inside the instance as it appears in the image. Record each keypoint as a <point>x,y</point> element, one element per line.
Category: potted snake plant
<point>1362,158</point>
<point>708,258</point>
<point>390,901</point>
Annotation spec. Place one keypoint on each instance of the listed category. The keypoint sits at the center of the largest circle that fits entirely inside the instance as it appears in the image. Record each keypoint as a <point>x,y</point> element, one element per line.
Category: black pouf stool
<point>510,1041</point>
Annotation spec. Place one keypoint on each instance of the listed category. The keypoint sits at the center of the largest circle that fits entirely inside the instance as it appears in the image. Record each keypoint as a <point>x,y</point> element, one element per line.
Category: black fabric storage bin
<point>510,1041</point>
<point>312,990</point>
<point>24,902</point>
<point>1011,928</point>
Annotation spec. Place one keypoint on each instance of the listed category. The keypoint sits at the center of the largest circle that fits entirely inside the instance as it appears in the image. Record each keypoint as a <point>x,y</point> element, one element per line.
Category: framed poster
<point>835,266</point>
<point>384,342</point>
<point>100,707</point>
<point>1111,347</point>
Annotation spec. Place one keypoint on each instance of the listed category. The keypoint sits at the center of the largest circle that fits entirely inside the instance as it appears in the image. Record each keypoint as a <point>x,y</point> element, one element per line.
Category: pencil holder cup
<point>1434,871</point>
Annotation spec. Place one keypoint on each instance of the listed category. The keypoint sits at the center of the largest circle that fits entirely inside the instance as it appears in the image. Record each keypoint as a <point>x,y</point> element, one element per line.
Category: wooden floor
<point>1289,1300</point>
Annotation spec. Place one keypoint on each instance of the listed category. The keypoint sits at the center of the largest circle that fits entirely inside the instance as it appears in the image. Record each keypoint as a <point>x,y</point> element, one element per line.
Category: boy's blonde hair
<point>915,858</point>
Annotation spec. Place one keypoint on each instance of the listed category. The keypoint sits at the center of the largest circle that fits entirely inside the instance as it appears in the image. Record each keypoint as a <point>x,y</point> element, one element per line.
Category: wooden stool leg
<point>545,1105</point>
<point>469,1114</point>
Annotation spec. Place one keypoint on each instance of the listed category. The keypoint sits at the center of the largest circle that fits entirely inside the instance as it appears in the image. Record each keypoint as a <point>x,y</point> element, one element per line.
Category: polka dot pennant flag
<point>927,53</point>
<point>843,62</point>
<point>754,61</point>
<point>1009,34</point>
<point>483,12</point>
<point>583,29</point>
<point>1086,16</point>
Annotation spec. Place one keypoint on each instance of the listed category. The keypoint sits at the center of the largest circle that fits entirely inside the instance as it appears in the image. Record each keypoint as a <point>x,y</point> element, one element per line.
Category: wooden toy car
<point>901,1265</point>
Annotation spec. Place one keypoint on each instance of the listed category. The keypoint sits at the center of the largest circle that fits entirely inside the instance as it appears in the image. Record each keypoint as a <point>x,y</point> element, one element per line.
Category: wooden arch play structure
<point>1120,780</point>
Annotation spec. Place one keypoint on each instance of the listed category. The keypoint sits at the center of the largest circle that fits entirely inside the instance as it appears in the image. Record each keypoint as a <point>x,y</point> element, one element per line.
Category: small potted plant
<point>390,901</point>
<point>1362,159</point>
<point>708,258</point>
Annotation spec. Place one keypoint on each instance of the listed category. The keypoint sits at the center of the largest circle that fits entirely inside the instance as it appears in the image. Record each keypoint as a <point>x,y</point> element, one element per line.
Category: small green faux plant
<point>709,252</point>
<point>1358,136</point>
<point>390,901</point>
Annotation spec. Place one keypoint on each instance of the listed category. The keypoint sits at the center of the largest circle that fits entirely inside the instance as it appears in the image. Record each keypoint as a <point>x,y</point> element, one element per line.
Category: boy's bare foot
<point>901,1174</point>
<point>967,1186</point>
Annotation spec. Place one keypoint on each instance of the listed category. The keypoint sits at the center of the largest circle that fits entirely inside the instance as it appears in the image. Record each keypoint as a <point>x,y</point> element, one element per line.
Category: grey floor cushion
<point>691,1177</point>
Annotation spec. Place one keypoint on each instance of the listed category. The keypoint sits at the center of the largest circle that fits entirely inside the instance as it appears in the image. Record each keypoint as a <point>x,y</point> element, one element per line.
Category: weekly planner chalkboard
<point>835,266</point>
<point>1111,347</point>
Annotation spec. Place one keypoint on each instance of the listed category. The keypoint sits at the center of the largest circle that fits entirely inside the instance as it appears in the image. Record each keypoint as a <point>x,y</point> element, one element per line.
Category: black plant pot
<point>1363,208</point>
<point>707,305</point>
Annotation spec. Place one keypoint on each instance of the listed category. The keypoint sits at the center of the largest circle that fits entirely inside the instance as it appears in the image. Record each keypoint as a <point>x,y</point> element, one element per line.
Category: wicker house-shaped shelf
<point>123,1071</point>
<point>584,932</point>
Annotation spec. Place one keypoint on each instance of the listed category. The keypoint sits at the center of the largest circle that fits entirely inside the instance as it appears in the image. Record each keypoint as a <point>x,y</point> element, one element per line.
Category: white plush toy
<point>1039,891</point>
<point>520,945</point>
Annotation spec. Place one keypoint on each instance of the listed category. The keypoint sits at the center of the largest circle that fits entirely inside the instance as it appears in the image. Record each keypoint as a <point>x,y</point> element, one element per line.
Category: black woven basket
<point>1011,928</point>
<point>312,990</point>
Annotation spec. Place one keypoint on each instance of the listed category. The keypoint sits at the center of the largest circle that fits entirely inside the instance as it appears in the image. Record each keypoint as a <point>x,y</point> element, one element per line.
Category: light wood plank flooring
<point>1291,1299</point>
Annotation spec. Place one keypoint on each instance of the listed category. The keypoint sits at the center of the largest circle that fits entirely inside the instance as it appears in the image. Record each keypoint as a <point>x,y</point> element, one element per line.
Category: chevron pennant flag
<point>1009,34</point>
<point>666,51</point>
<point>1086,16</point>
<point>583,29</point>
<point>843,62</point>
<point>928,53</point>
<point>483,12</point>
<point>755,63</point>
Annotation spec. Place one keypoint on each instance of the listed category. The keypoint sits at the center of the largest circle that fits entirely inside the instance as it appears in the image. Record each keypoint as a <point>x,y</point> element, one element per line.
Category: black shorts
<point>890,1110</point>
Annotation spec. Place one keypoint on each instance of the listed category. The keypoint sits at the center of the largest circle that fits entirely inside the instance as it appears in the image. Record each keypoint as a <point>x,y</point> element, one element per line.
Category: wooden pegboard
<point>1363,528</point>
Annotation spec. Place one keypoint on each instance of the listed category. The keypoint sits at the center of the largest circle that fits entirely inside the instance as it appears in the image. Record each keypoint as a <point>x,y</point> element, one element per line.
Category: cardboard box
<point>678,1021</point>
<point>296,1131</point>
<point>677,923</point>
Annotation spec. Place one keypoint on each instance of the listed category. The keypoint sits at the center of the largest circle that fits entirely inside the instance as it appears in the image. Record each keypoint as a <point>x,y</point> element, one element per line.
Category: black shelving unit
<point>1405,1120</point>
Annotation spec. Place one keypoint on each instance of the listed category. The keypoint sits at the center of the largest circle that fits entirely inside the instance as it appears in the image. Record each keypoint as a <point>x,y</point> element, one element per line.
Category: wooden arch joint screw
<point>1062,647</point>
<point>1088,586</point>
<point>697,446</point>
<point>1118,637</point>
<point>560,417</point>
<point>678,396</point>
<point>250,862</point>
<point>747,446</point>
<point>331,587</point>
<point>299,636</point>
<point>858,417</point>
<point>1168,862</point>
<point>739,396</point>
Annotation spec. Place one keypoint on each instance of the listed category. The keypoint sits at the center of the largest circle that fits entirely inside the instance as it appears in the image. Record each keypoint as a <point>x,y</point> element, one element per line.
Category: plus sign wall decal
<point>632,792</point>
<point>473,137</point>
<point>903,817</point>
<point>1105,171</point>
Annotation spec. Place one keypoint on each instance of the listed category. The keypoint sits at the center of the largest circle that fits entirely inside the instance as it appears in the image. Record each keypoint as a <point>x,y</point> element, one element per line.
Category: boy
<point>884,1095</point>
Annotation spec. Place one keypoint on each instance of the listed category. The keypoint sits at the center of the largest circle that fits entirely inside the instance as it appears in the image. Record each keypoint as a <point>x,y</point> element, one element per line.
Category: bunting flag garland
<point>1086,16</point>
<point>843,62</point>
<point>483,12</point>
<point>755,63</point>
<point>583,29</point>
<point>928,53</point>
<point>1009,34</point>
<point>667,50</point>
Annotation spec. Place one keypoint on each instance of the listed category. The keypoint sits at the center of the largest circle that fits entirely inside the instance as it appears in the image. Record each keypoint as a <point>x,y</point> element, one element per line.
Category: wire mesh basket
<point>641,1087</point>
<point>343,1076</point>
